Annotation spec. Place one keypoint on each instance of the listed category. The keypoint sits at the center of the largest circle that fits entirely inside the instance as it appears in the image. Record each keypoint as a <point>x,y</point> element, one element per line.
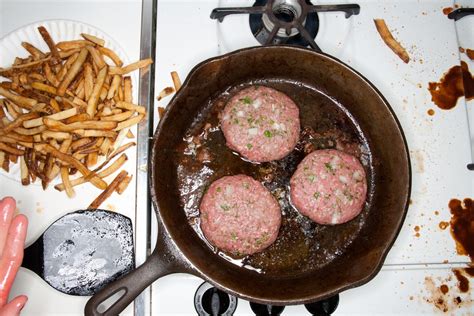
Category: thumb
<point>14,307</point>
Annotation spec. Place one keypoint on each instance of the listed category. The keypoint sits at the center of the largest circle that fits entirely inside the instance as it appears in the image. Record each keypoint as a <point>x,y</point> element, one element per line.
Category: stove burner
<point>260,24</point>
<point>285,21</point>
<point>266,310</point>
<point>325,307</point>
<point>208,300</point>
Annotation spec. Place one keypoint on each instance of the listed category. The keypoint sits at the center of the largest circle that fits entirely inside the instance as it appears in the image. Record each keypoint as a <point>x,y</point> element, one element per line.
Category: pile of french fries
<point>64,110</point>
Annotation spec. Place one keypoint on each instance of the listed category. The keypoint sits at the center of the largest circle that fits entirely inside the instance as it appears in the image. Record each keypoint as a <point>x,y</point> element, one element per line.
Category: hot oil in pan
<point>302,245</point>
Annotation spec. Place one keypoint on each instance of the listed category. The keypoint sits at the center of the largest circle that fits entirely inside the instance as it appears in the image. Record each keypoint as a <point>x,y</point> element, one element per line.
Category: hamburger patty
<point>239,215</point>
<point>261,123</point>
<point>329,187</point>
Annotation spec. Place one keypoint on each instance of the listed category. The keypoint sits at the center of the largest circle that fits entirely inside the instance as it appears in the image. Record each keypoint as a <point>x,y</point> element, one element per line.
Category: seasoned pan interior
<point>203,157</point>
<point>309,261</point>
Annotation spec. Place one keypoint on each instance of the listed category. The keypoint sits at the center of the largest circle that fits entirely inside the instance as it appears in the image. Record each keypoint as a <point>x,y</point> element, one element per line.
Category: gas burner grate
<point>285,21</point>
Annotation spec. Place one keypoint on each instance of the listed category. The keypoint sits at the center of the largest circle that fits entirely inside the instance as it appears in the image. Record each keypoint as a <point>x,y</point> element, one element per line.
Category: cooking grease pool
<point>302,245</point>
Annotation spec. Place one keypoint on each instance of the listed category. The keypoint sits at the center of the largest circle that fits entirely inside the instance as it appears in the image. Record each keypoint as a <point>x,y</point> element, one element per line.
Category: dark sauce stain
<point>457,82</point>
<point>469,271</point>
<point>462,226</point>
<point>431,112</point>
<point>463,282</point>
<point>302,245</point>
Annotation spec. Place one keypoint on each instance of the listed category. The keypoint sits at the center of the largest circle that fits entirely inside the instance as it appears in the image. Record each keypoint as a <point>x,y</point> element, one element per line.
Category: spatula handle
<point>131,284</point>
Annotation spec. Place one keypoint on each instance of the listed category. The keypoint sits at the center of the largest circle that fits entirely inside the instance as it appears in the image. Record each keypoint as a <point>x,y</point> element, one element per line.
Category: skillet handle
<point>131,285</point>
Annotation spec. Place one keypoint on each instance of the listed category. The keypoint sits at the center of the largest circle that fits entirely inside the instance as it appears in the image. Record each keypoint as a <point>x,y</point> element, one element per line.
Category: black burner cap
<point>209,300</point>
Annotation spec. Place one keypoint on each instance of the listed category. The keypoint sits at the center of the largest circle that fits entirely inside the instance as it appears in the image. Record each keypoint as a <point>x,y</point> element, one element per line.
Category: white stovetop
<point>439,145</point>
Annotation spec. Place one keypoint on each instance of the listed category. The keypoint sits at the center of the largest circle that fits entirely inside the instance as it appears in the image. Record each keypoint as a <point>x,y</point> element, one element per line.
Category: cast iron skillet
<point>329,259</point>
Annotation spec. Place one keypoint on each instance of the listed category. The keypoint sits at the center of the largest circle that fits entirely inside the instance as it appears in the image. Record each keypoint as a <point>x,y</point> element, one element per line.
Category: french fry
<point>109,190</point>
<point>132,67</point>
<point>96,57</point>
<point>92,158</point>
<point>127,90</point>
<point>6,161</point>
<point>73,71</point>
<point>76,44</point>
<point>50,76</point>
<point>124,184</point>
<point>52,46</point>
<point>118,117</point>
<point>164,93</point>
<point>56,116</point>
<point>30,131</point>
<point>130,134</point>
<point>93,39</point>
<point>112,55</point>
<point>113,86</point>
<point>131,107</point>
<point>176,80</point>
<point>54,135</point>
<point>92,103</point>
<point>95,133</point>
<point>17,137</point>
<point>66,182</point>
<point>67,53</point>
<point>132,121</point>
<point>43,87</point>
<point>11,150</point>
<point>88,81</point>
<point>58,126</point>
<point>24,102</point>
<point>11,110</point>
<point>391,42</point>
<point>25,176</point>
<point>35,52</point>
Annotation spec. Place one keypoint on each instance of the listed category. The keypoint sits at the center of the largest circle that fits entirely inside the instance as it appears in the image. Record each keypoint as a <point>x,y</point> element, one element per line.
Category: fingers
<point>12,255</point>
<point>14,307</point>
<point>7,208</point>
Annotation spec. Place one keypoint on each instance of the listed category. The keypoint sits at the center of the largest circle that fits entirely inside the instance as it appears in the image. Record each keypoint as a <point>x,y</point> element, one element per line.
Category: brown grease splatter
<point>470,53</point>
<point>447,10</point>
<point>417,228</point>
<point>431,112</point>
<point>461,50</point>
<point>463,282</point>
<point>443,225</point>
<point>462,226</point>
<point>436,213</point>
<point>457,82</point>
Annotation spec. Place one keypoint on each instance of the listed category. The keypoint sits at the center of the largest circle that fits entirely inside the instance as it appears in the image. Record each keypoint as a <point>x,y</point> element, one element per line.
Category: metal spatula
<point>83,251</point>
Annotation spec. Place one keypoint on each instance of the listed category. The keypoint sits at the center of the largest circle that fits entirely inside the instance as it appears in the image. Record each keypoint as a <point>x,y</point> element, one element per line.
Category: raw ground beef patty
<point>261,123</point>
<point>329,187</point>
<point>239,215</point>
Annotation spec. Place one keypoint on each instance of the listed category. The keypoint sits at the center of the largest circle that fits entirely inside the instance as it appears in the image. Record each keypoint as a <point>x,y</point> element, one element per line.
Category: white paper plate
<point>60,30</point>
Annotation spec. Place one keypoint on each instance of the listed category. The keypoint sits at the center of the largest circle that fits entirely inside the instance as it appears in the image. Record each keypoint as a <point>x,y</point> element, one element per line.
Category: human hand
<point>12,241</point>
